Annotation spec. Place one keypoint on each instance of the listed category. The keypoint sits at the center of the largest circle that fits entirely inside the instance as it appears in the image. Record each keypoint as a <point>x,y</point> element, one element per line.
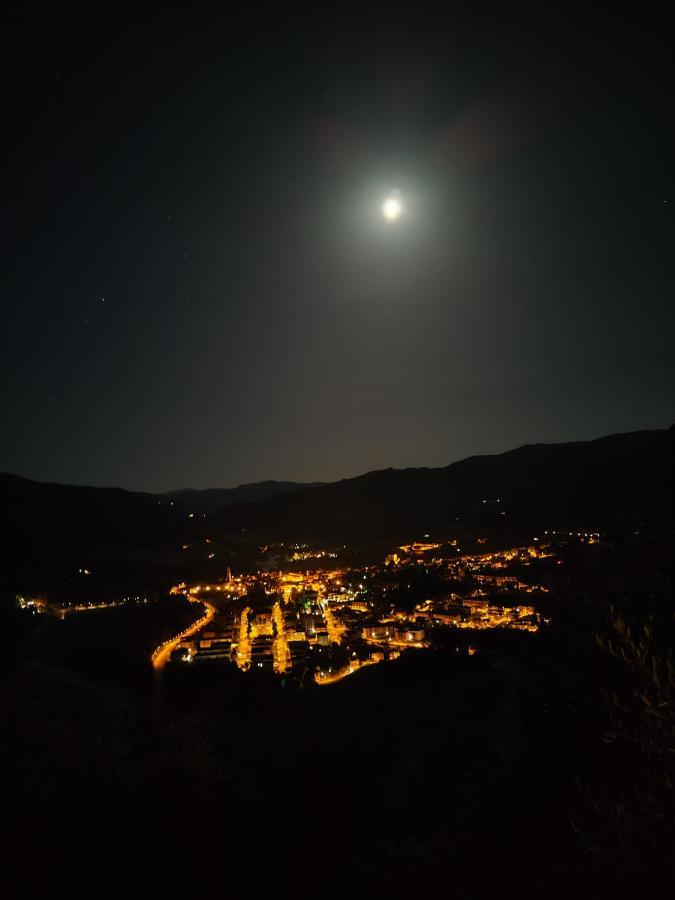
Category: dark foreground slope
<point>536,770</point>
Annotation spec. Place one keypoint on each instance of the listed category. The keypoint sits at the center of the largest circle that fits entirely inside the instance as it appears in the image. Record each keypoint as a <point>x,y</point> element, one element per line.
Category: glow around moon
<point>392,207</point>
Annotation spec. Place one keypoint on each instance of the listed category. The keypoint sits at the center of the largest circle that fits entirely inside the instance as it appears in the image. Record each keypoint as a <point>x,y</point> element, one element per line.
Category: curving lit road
<point>354,666</point>
<point>161,655</point>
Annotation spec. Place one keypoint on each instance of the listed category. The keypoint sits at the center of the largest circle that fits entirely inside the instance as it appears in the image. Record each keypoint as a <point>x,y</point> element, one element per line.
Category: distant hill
<point>67,512</point>
<point>212,499</point>
<point>617,483</point>
<point>52,530</point>
<point>608,481</point>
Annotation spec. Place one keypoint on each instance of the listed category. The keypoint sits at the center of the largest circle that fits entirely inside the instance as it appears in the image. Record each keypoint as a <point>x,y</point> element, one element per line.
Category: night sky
<point>199,288</point>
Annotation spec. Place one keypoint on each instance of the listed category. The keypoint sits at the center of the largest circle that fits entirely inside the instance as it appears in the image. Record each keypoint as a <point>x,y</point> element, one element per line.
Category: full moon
<point>392,208</point>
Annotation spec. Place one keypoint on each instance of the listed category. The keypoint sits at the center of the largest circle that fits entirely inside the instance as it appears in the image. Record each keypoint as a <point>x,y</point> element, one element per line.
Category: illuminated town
<point>329,622</point>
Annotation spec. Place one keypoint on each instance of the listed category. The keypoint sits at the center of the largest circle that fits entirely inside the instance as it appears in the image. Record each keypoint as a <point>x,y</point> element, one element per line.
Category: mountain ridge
<point>404,499</point>
<point>614,483</point>
<point>283,485</point>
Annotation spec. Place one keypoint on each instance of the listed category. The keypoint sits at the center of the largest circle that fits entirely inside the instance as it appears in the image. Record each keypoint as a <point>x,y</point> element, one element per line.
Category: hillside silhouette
<point>615,483</point>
